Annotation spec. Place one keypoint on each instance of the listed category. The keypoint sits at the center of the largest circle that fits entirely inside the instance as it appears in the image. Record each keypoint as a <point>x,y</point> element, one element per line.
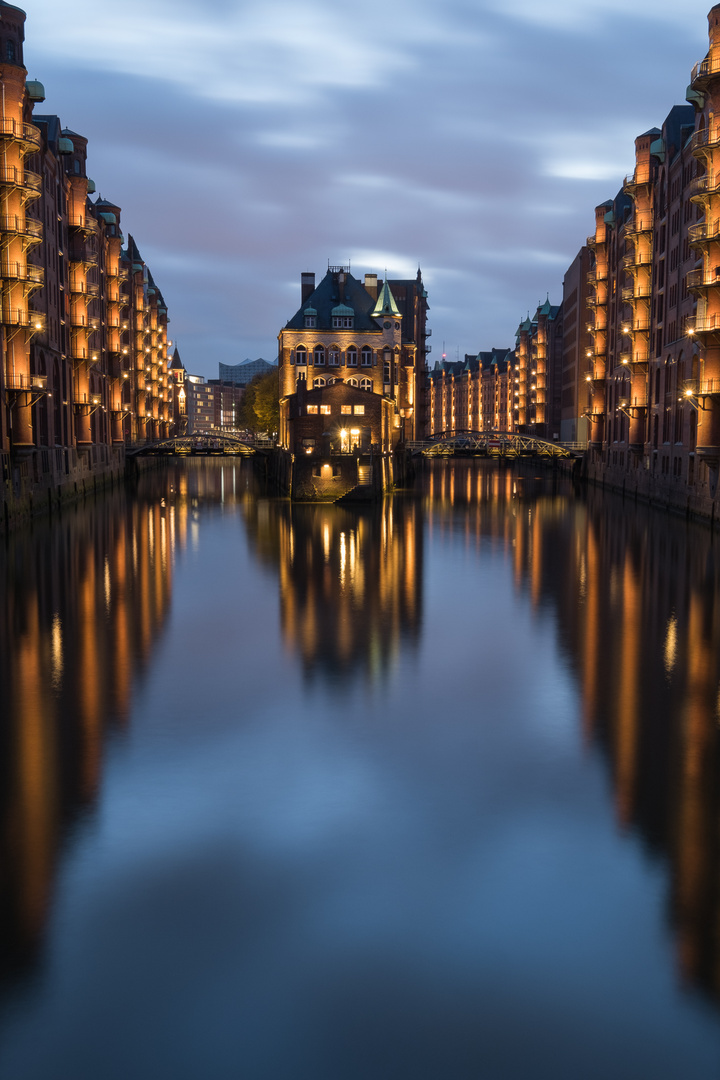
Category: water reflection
<point>350,581</point>
<point>86,596</point>
<point>636,599</point>
<point>628,597</point>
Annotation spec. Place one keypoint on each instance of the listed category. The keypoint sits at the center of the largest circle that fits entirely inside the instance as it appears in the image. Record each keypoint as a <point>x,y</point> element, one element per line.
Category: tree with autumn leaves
<point>261,404</point>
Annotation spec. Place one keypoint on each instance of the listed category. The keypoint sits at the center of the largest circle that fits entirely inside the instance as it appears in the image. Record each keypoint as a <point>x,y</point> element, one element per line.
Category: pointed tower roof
<point>176,361</point>
<point>385,303</point>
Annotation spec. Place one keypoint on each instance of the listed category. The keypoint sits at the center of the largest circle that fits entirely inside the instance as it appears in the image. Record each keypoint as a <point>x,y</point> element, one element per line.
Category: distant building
<point>539,360</point>
<point>202,405</point>
<point>474,394</point>
<point>241,374</point>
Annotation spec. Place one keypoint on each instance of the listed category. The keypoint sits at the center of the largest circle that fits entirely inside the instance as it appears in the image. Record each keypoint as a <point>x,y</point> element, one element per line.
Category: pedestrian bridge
<point>494,444</point>
<point>201,443</point>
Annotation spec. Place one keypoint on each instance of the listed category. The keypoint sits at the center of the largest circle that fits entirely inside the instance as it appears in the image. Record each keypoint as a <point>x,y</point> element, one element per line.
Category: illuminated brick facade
<point>83,326</point>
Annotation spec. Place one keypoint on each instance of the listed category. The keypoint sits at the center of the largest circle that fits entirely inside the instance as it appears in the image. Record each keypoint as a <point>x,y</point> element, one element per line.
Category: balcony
<point>631,293</point>
<point>705,139</point>
<point>82,401</point>
<point>700,187</point>
<point>637,258</point>
<point>701,388</point>
<point>20,383</point>
<point>83,222</point>
<point>702,324</point>
<point>704,233</point>
<point>641,223</point>
<point>26,134</point>
<point>699,280</point>
<point>14,271</point>
<point>80,320</point>
<point>630,359</point>
<point>29,320</point>
<point>704,72</point>
<point>631,182</point>
<point>32,184</point>
<point>84,288</point>
<point>29,228</point>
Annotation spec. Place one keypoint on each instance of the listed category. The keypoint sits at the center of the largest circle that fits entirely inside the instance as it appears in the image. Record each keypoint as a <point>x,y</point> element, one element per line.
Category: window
<point>319,382</point>
<point>366,384</point>
<point>310,320</point>
<point>366,357</point>
<point>334,356</point>
<point>352,382</point>
<point>359,410</point>
<point>312,410</point>
<point>324,410</point>
<point>351,357</point>
<point>346,410</point>
<point>9,50</point>
<point>301,355</point>
<point>319,354</point>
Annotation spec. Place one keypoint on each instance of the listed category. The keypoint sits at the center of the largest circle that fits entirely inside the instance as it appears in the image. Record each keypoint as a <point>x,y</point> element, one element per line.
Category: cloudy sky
<point>248,142</point>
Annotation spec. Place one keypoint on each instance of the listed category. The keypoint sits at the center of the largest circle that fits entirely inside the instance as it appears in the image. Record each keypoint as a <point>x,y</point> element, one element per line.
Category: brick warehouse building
<point>83,326</point>
<point>369,338</point>
<point>652,378</point>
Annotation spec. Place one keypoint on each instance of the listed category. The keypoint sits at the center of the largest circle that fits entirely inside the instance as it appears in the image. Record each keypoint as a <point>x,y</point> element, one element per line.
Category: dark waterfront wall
<point>40,481</point>
<point>623,472</point>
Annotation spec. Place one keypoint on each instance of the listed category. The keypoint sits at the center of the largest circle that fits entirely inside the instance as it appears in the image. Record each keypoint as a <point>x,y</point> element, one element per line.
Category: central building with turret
<point>352,370</point>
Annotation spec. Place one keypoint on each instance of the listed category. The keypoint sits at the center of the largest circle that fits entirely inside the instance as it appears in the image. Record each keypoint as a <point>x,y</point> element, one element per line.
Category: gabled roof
<point>326,297</point>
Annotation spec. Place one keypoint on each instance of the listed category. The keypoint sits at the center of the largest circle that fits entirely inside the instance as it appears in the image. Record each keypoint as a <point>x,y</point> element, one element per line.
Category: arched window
<point>366,384</point>
<point>319,353</point>
<point>352,382</point>
<point>301,355</point>
<point>319,382</point>
<point>334,356</point>
<point>351,357</point>
<point>366,356</point>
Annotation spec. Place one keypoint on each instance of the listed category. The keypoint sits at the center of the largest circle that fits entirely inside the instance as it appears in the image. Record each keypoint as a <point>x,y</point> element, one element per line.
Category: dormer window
<point>343,317</point>
<point>310,317</point>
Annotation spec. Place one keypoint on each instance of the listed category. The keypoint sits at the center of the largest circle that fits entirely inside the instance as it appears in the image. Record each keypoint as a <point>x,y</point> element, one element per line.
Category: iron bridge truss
<point>507,444</point>
<point>202,442</point>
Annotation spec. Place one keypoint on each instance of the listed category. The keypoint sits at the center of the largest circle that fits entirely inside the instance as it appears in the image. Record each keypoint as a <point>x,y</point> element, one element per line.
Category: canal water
<point>423,790</point>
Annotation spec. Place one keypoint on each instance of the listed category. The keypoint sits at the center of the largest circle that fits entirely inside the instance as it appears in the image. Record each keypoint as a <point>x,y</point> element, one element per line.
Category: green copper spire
<point>385,304</point>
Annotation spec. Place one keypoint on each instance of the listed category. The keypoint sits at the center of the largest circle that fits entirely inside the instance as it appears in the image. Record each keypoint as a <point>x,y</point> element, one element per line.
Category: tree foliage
<point>261,403</point>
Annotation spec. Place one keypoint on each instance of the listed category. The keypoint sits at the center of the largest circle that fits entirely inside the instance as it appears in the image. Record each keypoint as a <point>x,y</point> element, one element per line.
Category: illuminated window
<point>334,355</point>
<point>346,409</point>
<point>325,410</point>
<point>366,384</point>
<point>301,355</point>
<point>359,410</point>
<point>312,410</point>
<point>352,382</point>
<point>319,382</point>
<point>319,353</point>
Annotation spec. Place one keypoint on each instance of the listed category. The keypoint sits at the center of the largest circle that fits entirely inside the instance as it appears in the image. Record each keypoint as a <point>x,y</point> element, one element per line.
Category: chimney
<point>371,285</point>
<point>307,287</point>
